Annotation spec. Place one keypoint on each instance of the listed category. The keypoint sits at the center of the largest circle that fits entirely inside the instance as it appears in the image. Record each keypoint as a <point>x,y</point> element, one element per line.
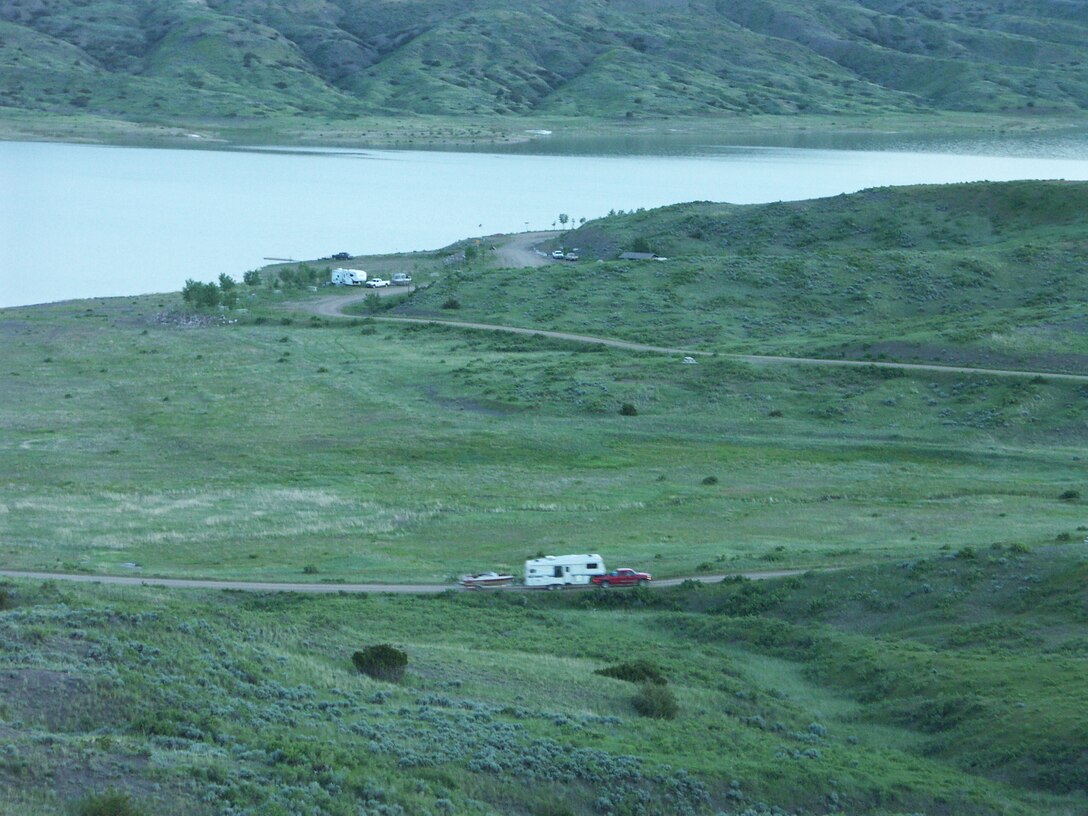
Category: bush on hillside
<point>628,409</point>
<point>656,702</point>
<point>6,600</point>
<point>637,671</point>
<point>382,662</point>
<point>111,803</point>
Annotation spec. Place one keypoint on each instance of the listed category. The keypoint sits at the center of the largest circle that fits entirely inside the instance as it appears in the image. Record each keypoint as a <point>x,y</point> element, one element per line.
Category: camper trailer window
<point>591,566</point>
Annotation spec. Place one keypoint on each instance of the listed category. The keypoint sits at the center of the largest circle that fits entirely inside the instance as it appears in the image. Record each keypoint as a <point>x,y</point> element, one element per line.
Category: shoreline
<point>448,133</point>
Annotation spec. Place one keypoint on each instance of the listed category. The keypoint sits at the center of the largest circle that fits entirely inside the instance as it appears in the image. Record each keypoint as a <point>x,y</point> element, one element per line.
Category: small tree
<point>111,803</point>
<point>252,278</point>
<point>563,219</point>
<point>637,671</point>
<point>656,702</point>
<point>201,295</point>
<point>382,662</point>
<point>228,291</point>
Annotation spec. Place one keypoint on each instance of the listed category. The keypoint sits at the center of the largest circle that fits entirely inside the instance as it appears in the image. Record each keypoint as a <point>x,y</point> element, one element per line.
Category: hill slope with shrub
<point>155,60</point>
<point>953,684</point>
<point>981,274</point>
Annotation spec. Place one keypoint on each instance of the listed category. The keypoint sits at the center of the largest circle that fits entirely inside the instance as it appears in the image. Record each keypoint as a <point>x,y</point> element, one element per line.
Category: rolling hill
<point>984,274</point>
<point>155,60</point>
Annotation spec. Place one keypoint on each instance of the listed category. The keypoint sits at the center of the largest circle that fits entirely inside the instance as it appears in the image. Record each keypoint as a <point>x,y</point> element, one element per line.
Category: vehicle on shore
<point>376,283</point>
<point>401,279</point>
<point>625,576</point>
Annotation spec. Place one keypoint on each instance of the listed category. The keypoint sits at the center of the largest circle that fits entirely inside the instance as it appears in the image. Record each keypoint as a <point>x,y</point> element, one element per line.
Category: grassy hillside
<point>946,685</point>
<point>973,274</point>
<point>243,60</point>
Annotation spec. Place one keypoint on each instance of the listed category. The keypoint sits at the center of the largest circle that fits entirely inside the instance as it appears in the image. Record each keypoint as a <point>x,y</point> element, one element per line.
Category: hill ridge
<point>150,59</point>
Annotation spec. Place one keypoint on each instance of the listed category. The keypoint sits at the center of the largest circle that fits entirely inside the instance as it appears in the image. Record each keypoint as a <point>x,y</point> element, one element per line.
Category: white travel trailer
<point>557,571</point>
<point>348,277</point>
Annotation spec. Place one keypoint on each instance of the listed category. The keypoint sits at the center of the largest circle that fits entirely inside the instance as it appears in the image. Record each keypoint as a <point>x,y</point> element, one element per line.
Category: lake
<point>82,221</point>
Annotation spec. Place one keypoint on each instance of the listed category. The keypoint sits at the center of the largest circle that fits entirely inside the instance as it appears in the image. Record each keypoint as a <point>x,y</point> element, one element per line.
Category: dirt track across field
<point>520,251</point>
<point>273,586</point>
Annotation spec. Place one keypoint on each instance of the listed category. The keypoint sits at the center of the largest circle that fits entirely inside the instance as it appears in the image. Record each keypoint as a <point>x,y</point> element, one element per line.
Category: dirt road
<point>316,589</point>
<point>334,305</point>
<point>519,251</point>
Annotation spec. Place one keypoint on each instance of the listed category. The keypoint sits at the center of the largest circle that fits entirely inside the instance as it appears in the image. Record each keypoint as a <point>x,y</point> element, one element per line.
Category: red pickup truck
<point>621,577</point>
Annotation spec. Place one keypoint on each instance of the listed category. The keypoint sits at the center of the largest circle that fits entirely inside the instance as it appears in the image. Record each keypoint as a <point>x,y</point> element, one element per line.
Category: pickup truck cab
<point>621,577</point>
<point>401,279</point>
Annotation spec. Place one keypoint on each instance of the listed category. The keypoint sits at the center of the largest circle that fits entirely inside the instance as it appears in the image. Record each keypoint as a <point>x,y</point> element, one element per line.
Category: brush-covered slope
<point>982,274</point>
<point>953,685</point>
<point>160,59</point>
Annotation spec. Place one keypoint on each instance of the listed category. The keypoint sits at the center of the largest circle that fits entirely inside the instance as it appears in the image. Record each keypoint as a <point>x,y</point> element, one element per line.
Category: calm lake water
<point>91,221</point>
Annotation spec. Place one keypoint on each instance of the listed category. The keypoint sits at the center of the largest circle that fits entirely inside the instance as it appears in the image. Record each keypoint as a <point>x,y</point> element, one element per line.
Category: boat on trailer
<point>483,580</point>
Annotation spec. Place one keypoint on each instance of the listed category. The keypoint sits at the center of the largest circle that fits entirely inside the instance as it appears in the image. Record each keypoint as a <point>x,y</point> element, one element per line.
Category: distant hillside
<point>163,60</point>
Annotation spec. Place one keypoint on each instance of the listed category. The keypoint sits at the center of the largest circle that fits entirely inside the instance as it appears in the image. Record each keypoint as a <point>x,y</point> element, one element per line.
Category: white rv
<point>348,277</point>
<point>556,571</point>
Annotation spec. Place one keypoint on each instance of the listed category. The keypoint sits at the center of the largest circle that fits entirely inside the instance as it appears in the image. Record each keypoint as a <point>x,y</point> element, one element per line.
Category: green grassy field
<point>940,668</point>
<point>382,452</point>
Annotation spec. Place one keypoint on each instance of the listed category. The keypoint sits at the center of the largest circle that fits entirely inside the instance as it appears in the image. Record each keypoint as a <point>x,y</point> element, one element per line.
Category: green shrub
<point>748,598</point>
<point>111,803</point>
<point>6,600</point>
<point>637,671</point>
<point>1070,495</point>
<point>628,409</point>
<point>710,480</point>
<point>451,303</point>
<point>656,702</point>
<point>382,662</point>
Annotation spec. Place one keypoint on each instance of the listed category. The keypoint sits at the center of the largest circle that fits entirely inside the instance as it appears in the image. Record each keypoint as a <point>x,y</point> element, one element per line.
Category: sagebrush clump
<point>637,671</point>
<point>111,803</point>
<point>656,702</point>
<point>382,662</point>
